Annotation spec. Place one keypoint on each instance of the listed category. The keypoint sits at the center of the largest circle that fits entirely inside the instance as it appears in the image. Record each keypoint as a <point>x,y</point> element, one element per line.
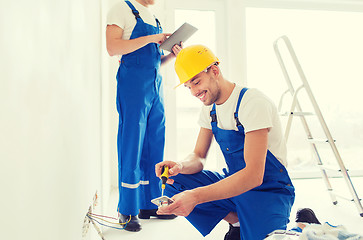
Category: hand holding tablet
<point>183,33</point>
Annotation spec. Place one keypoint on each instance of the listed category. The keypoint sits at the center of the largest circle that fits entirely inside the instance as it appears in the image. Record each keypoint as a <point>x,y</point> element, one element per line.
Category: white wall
<point>50,116</point>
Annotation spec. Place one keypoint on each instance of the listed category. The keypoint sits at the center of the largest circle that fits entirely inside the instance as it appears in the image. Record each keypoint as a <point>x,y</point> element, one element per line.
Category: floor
<point>309,193</point>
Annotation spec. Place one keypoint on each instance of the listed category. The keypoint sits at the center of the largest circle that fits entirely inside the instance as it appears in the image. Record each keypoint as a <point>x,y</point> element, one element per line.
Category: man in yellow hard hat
<point>255,193</point>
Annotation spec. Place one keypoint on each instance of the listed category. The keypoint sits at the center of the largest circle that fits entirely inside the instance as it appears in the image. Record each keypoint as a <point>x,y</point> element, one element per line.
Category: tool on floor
<point>164,178</point>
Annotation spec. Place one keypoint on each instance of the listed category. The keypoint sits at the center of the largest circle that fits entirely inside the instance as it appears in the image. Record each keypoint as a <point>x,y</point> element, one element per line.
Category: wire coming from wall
<point>98,218</point>
<point>102,220</point>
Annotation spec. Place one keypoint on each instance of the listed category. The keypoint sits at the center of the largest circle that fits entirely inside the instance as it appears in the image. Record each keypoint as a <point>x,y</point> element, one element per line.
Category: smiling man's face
<point>205,87</point>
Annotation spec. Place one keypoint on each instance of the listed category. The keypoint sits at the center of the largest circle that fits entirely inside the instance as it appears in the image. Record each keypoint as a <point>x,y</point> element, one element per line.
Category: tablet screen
<point>180,35</point>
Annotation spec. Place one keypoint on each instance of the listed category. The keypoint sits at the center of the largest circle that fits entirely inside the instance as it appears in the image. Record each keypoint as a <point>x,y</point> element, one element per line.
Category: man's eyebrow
<point>191,80</point>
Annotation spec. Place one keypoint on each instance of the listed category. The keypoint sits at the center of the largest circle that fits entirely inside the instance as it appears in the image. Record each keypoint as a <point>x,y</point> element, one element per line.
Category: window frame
<point>169,76</point>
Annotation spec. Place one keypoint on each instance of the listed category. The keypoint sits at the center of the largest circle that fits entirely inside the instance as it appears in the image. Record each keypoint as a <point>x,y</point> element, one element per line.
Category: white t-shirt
<point>256,111</point>
<point>121,15</point>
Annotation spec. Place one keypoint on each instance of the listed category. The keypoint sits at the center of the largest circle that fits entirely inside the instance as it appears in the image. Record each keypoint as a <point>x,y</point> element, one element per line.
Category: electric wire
<point>105,224</point>
<point>100,218</point>
<point>94,217</point>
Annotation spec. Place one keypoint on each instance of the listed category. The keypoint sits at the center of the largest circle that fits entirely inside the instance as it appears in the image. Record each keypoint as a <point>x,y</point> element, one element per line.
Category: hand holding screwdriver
<point>174,169</point>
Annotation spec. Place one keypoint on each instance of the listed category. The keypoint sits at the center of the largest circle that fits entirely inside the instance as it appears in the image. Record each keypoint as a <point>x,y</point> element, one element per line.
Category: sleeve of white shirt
<point>204,117</point>
<point>115,16</point>
<point>256,113</point>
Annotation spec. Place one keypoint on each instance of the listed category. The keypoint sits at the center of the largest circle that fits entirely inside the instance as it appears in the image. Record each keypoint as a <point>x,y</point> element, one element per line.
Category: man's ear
<point>216,71</point>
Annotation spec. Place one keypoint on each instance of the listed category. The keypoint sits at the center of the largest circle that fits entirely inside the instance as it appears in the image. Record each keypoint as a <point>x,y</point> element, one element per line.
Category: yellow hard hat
<point>192,60</point>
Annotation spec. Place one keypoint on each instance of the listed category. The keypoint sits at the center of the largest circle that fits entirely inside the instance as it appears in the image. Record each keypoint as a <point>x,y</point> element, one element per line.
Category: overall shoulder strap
<point>213,116</point>
<point>157,22</point>
<point>238,123</point>
<point>134,11</point>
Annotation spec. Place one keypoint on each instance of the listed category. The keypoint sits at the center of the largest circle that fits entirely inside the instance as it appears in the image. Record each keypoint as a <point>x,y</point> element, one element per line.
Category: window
<point>329,47</point>
<point>182,108</point>
<point>187,106</point>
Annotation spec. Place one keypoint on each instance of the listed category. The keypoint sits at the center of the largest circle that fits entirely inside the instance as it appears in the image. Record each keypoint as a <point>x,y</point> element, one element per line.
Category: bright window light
<point>329,47</point>
<point>187,106</point>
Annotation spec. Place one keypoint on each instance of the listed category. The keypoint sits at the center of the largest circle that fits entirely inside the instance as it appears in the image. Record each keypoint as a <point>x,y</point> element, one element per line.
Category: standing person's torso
<point>256,111</point>
<point>122,16</point>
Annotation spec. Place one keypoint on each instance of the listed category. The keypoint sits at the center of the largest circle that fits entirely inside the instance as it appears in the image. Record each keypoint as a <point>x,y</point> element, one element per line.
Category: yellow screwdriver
<point>164,177</point>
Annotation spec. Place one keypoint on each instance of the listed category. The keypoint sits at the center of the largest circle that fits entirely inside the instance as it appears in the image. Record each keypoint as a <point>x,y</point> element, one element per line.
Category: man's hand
<point>174,52</point>
<point>158,38</point>
<point>177,48</point>
<point>174,169</point>
<point>183,204</point>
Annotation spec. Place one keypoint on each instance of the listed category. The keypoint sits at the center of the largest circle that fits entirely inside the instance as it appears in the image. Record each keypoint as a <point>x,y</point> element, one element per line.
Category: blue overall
<point>141,130</point>
<point>260,210</point>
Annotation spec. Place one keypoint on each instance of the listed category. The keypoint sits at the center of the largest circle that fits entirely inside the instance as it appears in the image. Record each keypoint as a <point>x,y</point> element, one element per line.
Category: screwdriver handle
<point>164,174</point>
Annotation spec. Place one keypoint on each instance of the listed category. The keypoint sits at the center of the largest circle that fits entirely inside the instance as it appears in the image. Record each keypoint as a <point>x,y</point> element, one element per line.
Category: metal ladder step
<point>297,114</point>
<point>317,140</point>
<point>321,166</point>
<point>339,195</point>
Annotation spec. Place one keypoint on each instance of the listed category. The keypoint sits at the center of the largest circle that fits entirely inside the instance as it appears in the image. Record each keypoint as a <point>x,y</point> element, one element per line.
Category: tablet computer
<point>180,35</point>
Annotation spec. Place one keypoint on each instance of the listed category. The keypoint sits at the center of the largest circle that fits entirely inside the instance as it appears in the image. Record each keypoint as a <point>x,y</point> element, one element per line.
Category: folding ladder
<point>296,110</point>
